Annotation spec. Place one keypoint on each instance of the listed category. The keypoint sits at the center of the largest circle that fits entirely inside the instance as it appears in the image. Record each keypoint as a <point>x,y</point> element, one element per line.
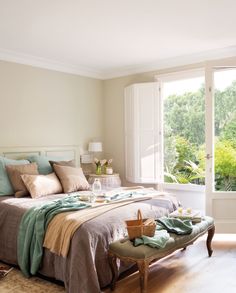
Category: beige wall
<point>44,107</point>
<point>41,107</point>
<point>114,118</point>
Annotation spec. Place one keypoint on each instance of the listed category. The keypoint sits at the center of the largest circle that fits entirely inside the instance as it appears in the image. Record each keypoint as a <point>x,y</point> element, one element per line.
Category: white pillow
<point>42,185</point>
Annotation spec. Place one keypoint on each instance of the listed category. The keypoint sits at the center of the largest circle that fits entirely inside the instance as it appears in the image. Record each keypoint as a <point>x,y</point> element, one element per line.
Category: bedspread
<point>86,268</point>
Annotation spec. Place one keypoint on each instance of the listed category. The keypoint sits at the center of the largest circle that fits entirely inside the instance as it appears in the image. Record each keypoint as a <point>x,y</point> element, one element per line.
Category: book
<point>193,215</point>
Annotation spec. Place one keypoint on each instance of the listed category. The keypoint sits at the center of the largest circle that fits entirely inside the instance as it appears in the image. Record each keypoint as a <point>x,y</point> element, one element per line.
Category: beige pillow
<point>72,179</point>
<point>63,163</point>
<point>15,171</point>
<point>42,185</point>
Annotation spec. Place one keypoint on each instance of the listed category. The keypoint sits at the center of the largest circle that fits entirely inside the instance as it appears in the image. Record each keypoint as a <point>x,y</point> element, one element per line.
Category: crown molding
<point>173,62</point>
<point>11,56</point>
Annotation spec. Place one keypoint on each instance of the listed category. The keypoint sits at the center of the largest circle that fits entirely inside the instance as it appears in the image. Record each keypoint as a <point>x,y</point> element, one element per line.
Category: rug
<point>14,282</point>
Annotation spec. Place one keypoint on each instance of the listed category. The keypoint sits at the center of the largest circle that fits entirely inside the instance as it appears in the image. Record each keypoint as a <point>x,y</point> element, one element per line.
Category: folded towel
<point>175,225</point>
<point>159,240</point>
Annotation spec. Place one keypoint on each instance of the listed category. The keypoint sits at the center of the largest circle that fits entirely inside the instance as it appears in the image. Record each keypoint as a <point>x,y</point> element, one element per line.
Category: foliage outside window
<point>184,137</point>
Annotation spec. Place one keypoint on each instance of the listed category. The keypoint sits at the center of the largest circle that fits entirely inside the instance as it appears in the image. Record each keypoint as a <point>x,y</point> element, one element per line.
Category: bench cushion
<point>126,249</point>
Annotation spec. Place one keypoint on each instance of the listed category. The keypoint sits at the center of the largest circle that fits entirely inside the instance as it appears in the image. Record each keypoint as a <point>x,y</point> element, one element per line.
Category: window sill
<point>184,187</point>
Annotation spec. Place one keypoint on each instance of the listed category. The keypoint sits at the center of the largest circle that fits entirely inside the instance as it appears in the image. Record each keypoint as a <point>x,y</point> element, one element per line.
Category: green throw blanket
<point>33,227</point>
<point>161,237</point>
<point>175,225</point>
<point>159,240</point>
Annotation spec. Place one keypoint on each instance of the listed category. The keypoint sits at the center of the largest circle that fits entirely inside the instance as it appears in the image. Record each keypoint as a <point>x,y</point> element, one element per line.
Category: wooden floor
<point>191,271</point>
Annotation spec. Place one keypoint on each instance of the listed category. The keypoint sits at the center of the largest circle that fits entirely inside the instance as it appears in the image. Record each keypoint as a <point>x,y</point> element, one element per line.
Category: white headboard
<point>66,152</point>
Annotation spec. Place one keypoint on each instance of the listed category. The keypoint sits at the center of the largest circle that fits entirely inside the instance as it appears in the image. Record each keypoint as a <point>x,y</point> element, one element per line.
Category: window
<point>225,129</point>
<point>184,128</point>
<point>165,130</point>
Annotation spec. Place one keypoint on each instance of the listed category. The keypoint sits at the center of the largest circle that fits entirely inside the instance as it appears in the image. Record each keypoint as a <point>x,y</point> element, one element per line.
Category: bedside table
<point>107,181</point>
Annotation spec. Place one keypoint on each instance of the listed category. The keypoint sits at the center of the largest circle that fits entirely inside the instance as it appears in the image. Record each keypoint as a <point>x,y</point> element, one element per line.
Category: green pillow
<point>44,166</point>
<point>5,184</point>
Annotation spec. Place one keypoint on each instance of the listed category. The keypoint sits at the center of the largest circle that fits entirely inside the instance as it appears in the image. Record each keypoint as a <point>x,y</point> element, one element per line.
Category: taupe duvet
<point>86,268</point>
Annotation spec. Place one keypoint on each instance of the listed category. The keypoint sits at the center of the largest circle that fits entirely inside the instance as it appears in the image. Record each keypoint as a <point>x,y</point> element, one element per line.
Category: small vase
<point>98,170</point>
<point>109,170</point>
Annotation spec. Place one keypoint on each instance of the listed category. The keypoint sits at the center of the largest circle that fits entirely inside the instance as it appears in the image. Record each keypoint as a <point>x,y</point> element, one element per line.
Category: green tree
<point>184,117</point>
<point>186,151</point>
<point>225,165</point>
<point>225,107</point>
<point>229,132</point>
<point>170,152</point>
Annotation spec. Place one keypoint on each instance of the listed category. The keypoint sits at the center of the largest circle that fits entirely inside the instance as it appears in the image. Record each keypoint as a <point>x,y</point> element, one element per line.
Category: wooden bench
<point>143,255</point>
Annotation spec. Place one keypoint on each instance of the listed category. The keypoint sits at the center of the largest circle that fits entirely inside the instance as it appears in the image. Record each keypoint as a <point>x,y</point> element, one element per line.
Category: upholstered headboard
<point>66,152</point>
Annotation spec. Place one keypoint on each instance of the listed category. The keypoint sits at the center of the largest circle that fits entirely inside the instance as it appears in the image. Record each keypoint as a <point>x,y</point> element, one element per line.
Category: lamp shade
<point>95,147</point>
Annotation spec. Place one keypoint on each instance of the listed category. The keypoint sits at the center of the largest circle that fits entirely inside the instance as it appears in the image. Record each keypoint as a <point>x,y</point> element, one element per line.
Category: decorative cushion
<point>72,179</point>
<point>42,185</point>
<point>14,172</point>
<point>44,166</point>
<point>5,184</point>
<point>63,163</point>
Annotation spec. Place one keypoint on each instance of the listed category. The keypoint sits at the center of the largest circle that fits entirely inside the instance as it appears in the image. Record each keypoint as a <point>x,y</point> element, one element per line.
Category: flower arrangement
<point>100,163</point>
<point>108,168</point>
<point>108,162</point>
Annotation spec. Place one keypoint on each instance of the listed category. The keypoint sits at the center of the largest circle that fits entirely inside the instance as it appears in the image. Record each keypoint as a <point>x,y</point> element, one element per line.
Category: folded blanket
<point>32,229</point>
<point>175,225</point>
<point>159,240</point>
<point>63,226</point>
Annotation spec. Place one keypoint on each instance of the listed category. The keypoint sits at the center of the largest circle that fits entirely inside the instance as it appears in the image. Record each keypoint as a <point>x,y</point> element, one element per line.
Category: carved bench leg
<point>211,233</point>
<point>112,260</point>
<point>143,273</point>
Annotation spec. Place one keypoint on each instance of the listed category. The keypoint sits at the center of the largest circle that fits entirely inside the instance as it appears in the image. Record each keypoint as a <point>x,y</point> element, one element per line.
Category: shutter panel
<point>142,133</point>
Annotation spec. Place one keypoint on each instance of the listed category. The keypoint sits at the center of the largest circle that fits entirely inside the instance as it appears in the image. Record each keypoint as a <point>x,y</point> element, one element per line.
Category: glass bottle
<point>96,189</point>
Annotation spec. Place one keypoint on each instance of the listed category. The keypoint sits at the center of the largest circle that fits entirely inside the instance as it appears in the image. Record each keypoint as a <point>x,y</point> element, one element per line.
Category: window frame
<point>161,79</point>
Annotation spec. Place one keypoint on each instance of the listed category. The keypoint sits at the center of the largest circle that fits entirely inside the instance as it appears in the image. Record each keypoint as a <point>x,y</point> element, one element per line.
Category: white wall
<point>44,107</point>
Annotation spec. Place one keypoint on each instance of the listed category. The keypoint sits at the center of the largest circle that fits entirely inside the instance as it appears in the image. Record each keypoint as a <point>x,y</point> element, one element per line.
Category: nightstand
<point>107,181</point>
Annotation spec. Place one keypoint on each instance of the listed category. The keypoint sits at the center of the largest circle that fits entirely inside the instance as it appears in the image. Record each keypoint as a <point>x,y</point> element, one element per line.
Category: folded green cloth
<point>159,240</point>
<point>175,225</point>
<point>32,229</point>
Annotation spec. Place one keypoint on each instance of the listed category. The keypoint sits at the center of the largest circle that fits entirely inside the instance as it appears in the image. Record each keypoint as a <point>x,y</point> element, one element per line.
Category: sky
<point>222,80</point>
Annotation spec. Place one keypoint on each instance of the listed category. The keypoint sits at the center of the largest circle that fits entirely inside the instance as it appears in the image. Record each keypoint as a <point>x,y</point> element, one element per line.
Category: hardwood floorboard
<point>191,270</point>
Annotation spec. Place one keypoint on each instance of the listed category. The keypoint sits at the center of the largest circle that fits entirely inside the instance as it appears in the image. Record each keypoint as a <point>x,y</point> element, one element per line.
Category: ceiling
<point>108,38</point>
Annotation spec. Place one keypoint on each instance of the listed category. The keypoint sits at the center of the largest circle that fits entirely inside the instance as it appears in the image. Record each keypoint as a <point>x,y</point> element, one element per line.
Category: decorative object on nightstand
<point>96,147</point>
<point>109,170</point>
<point>87,158</point>
<point>108,167</point>
<point>99,164</point>
<point>107,181</point>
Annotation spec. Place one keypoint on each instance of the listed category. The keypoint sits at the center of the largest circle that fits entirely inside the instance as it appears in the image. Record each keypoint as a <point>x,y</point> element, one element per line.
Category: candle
<point>180,210</point>
<point>189,210</point>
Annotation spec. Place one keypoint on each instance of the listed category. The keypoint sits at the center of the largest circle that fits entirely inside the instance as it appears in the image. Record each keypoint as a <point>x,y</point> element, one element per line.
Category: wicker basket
<point>138,228</point>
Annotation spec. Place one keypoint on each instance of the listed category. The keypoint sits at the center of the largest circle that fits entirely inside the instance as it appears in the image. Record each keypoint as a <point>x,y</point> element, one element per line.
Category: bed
<point>86,268</point>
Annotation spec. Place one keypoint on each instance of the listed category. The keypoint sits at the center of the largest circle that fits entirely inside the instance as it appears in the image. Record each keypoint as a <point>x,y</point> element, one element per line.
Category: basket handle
<point>140,215</point>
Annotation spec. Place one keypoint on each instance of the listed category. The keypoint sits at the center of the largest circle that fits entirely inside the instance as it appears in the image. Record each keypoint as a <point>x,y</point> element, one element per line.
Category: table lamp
<point>95,147</point>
